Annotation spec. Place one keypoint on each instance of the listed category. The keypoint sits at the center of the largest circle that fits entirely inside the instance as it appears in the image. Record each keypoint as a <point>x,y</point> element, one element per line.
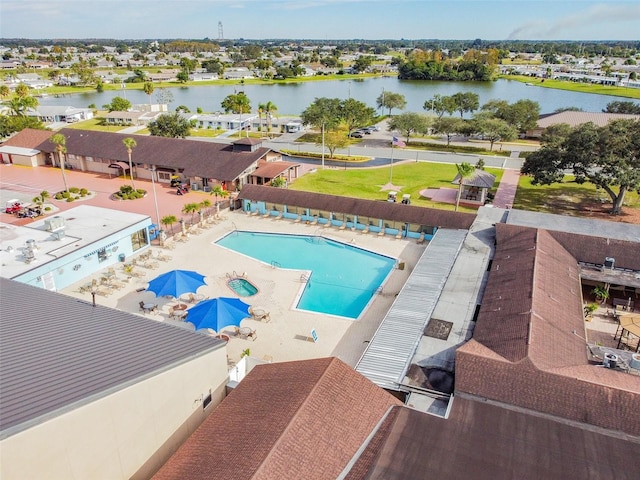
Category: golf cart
<point>392,197</point>
<point>13,206</point>
<point>406,199</point>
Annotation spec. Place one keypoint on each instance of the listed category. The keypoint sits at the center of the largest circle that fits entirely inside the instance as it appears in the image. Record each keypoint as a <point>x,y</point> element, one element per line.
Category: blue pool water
<point>242,287</point>
<point>343,278</point>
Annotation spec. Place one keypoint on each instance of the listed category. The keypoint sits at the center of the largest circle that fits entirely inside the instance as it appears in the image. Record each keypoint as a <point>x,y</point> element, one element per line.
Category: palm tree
<point>465,170</point>
<point>269,109</point>
<point>5,91</point>
<point>261,110</point>
<point>42,198</point>
<point>190,208</point>
<point>148,88</point>
<point>168,221</point>
<point>205,205</point>
<point>130,143</point>
<point>60,141</point>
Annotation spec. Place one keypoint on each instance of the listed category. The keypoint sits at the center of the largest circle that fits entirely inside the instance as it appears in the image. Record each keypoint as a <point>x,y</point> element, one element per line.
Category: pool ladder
<point>304,278</point>
<point>275,264</point>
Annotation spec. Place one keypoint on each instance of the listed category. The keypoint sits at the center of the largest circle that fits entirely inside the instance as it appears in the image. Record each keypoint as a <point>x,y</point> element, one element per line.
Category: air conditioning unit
<point>195,186</point>
<point>609,262</point>
<point>54,223</point>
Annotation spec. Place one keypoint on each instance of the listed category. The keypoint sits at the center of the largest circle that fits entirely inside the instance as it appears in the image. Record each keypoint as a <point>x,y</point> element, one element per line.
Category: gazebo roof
<point>480,178</point>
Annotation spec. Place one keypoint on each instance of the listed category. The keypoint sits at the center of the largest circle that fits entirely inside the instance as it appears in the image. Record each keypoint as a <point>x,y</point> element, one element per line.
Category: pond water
<point>293,98</point>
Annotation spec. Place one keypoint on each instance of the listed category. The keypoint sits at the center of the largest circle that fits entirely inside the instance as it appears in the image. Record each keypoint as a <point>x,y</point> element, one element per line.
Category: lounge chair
<point>381,232</point>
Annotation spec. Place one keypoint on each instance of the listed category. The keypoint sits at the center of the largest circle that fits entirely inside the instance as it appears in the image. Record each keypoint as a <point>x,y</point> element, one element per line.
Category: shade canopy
<point>176,282</point>
<point>218,313</point>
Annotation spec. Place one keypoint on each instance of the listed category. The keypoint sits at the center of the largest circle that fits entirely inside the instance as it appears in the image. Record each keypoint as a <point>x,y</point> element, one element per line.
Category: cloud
<point>591,18</point>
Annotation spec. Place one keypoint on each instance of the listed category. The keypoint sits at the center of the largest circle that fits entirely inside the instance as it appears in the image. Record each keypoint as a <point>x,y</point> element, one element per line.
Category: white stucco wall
<point>113,437</point>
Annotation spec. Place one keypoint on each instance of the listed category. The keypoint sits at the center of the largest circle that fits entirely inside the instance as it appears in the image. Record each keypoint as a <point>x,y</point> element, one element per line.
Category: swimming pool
<point>343,278</point>
<point>242,287</point>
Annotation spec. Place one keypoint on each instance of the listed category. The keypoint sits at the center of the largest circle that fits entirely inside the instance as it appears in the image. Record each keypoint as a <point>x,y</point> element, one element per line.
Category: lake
<point>293,98</point>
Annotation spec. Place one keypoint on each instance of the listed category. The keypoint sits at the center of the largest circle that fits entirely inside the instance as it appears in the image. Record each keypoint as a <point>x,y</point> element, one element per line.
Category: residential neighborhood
<point>352,288</point>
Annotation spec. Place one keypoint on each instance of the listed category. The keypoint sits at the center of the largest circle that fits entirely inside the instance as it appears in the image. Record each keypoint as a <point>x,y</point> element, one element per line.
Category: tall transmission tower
<point>220,33</point>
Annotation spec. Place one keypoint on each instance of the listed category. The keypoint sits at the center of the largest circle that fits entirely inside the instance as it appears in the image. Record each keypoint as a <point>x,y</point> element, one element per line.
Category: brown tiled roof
<point>524,350</point>
<point>532,302</point>
<point>197,158</point>
<point>355,206</point>
<point>480,179</point>
<point>586,248</point>
<point>305,419</point>
<point>483,440</point>
<point>272,169</point>
<point>28,138</point>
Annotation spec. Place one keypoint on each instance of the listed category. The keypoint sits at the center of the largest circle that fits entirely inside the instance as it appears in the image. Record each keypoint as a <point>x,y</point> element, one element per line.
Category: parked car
<point>357,134</point>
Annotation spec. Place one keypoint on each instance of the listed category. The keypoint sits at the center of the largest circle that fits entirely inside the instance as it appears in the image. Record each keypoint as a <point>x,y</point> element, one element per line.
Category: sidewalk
<point>506,192</point>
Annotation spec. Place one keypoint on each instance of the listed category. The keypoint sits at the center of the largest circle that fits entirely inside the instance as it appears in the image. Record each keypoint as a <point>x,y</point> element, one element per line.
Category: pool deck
<point>287,336</point>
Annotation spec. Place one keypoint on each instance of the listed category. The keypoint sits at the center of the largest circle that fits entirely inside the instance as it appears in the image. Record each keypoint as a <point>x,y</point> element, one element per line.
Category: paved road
<point>377,145</point>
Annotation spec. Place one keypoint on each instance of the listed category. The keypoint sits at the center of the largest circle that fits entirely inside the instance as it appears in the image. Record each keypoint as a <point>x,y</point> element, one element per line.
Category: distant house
<point>130,118</point>
<point>573,119</point>
<point>65,114</point>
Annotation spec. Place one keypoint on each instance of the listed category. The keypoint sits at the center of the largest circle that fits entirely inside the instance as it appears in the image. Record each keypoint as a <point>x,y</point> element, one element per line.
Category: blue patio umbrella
<point>218,313</point>
<point>176,282</point>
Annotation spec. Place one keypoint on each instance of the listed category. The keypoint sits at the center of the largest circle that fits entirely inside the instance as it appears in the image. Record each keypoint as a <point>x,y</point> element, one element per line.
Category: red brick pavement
<point>34,180</point>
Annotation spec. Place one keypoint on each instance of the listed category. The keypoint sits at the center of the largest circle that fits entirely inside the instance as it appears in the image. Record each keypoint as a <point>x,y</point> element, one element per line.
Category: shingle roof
<point>58,352</point>
<point>197,158</point>
<point>528,347</point>
<point>273,169</point>
<point>302,419</point>
<point>29,138</point>
<point>573,119</point>
<point>480,179</point>
<point>355,206</point>
<point>483,440</point>
<point>532,302</point>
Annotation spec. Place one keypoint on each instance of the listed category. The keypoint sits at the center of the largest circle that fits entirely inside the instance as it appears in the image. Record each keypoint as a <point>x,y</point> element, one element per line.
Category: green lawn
<point>567,198</point>
<point>366,182</point>
<point>576,86</point>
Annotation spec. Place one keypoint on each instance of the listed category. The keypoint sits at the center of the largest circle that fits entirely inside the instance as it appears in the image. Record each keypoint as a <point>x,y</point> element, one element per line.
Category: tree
<point>608,157</point>
<point>20,105</point>
<point>148,88</point>
<point>168,221</point>
<point>362,63</point>
<point>183,76</point>
<point>270,109</point>
<point>60,141</point>
<point>466,102</point>
<point>494,129</point>
<point>623,107</point>
<point>171,125</point>
<point>130,144</point>
<point>355,113</point>
<point>118,104</point>
<point>465,170</point>
<point>523,114</point>
<point>391,100</point>
<point>190,208</point>
<point>322,112</point>
<point>12,124</point>
<point>336,138</point>
<point>236,103</point>
<point>448,126</point>
<point>409,123</point>
<point>440,105</point>
<point>5,91</point>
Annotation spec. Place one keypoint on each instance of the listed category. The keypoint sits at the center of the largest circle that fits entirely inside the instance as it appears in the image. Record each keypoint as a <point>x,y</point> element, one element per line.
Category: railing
<point>304,278</point>
<point>275,264</point>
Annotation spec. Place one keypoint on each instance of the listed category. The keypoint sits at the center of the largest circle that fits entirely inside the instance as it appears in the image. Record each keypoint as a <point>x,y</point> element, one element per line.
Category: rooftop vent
<point>609,262</point>
<point>54,224</point>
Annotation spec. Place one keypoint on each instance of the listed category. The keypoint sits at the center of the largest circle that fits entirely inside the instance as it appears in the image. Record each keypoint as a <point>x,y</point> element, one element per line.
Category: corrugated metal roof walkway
<point>387,358</point>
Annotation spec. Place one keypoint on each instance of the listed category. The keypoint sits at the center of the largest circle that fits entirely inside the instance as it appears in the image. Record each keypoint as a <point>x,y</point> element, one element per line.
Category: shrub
<point>46,209</point>
<point>66,195</point>
<point>58,196</point>
<point>141,191</point>
<point>70,199</point>
<point>84,191</point>
<point>74,190</point>
<point>126,189</point>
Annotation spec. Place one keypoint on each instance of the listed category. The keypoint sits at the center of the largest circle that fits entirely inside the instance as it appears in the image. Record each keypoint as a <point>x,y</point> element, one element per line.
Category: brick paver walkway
<point>32,181</point>
<point>506,192</point>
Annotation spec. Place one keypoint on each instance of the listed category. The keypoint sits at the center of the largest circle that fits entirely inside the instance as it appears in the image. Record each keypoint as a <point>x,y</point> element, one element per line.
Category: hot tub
<point>242,287</point>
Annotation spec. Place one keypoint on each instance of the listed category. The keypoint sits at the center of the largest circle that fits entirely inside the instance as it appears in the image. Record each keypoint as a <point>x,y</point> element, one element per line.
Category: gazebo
<point>475,187</point>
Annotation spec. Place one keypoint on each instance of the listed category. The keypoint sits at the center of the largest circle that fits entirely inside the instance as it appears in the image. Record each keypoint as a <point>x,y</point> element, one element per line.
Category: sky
<point>322,19</point>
